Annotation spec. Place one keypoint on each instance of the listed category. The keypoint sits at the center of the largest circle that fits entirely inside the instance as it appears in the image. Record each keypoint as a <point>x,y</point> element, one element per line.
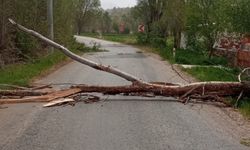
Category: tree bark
<point>79,27</point>
<point>2,24</point>
<point>177,39</point>
<point>195,90</point>
<point>209,88</point>
<point>210,47</point>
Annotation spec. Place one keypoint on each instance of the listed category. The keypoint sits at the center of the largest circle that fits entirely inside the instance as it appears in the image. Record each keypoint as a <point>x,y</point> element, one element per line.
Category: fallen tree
<point>200,90</point>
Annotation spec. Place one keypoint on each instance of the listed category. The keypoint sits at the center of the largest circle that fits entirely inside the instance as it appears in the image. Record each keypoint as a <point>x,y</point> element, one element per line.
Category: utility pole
<point>50,21</point>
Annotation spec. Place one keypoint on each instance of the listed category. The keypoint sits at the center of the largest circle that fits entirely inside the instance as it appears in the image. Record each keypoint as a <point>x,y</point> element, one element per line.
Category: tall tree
<point>106,22</point>
<point>205,21</point>
<point>174,19</point>
<point>16,46</point>
<point>149,12</point>
<point>83,7</point>
<point>239,12</point>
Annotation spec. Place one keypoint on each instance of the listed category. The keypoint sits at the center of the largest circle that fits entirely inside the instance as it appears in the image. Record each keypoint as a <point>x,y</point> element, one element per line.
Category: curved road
<point>118,123</point>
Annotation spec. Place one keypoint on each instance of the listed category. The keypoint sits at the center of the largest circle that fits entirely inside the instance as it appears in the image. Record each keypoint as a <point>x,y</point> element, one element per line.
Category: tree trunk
<point>177,39</point>
<point>2,24</point>
<point>79,27</point>
<point>201,90</point>
<point>211,48</point>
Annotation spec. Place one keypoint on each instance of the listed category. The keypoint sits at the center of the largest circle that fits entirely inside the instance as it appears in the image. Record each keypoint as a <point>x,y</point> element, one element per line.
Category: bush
<point>158,42</point>
<point>213,74</point>
<point>126,31</point>
<point>25,43</point>
<point>167,53</point>
<point>218,61</point>
<point>142,38</point>
<point>190,57</point>
<point>154,41</point>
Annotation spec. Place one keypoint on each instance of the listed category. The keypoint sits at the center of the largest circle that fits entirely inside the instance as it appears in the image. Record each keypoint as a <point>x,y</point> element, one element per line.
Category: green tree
<point>16,46</point>
<point>106,22</point>
<point>115,27</point>
<point>239,12</point>
<point>173,19</point>
<point>83,8</point>
<point>205,19</point>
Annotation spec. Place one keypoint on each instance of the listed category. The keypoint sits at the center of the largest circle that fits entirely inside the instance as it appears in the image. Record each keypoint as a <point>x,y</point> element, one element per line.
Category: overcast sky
<point>107,4</point>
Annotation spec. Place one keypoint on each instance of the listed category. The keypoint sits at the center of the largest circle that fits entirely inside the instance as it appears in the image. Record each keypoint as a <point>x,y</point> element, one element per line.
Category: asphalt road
<point>118,123</point>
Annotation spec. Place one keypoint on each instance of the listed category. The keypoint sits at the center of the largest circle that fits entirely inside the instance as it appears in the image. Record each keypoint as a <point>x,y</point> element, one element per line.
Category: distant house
<point>236,49</point>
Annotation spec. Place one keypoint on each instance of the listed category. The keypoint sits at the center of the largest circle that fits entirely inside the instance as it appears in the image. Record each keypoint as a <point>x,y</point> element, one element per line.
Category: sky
<point>108,4</point>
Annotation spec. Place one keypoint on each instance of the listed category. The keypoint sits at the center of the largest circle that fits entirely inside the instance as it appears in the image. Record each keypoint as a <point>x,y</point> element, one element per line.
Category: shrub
<point>191,57</point>
<point>142,38</point>
<point>158,42</point>
<point>25,43</point>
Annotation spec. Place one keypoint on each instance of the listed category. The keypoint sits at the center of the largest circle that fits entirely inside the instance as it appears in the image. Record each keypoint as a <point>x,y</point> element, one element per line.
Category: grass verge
<point>122,38</point>
<point>213,74</point>
<point>22,74</point>
<point>245,141</point>
<point>244,107</point>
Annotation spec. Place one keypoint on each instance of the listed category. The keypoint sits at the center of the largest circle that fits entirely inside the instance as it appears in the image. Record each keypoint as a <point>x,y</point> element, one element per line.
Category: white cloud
<point>107,4</point>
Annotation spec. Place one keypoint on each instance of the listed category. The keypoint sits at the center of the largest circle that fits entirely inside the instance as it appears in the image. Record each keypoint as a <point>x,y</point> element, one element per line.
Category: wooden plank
<point>58,102</point>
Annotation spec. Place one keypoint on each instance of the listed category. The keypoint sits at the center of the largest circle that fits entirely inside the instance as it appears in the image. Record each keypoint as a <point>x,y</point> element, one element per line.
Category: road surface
<point>118,123</point>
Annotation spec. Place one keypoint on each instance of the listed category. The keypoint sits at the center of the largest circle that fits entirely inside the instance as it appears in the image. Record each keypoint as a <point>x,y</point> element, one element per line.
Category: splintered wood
<point>43,98</point>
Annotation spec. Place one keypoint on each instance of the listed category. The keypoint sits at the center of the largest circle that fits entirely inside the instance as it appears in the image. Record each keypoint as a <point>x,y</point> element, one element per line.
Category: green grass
<point>122,38</point>
<point>213,74</point>
<point>244,107</point>
<point>189,57</point>
<point>22,74</point>
<point>194,58</point>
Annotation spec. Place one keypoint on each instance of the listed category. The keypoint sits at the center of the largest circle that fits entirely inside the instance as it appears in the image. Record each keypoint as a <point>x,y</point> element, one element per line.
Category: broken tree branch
<point>242,72</point>
<point>77,58</point>
<point>213,89</point>
<point>238,99</point>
